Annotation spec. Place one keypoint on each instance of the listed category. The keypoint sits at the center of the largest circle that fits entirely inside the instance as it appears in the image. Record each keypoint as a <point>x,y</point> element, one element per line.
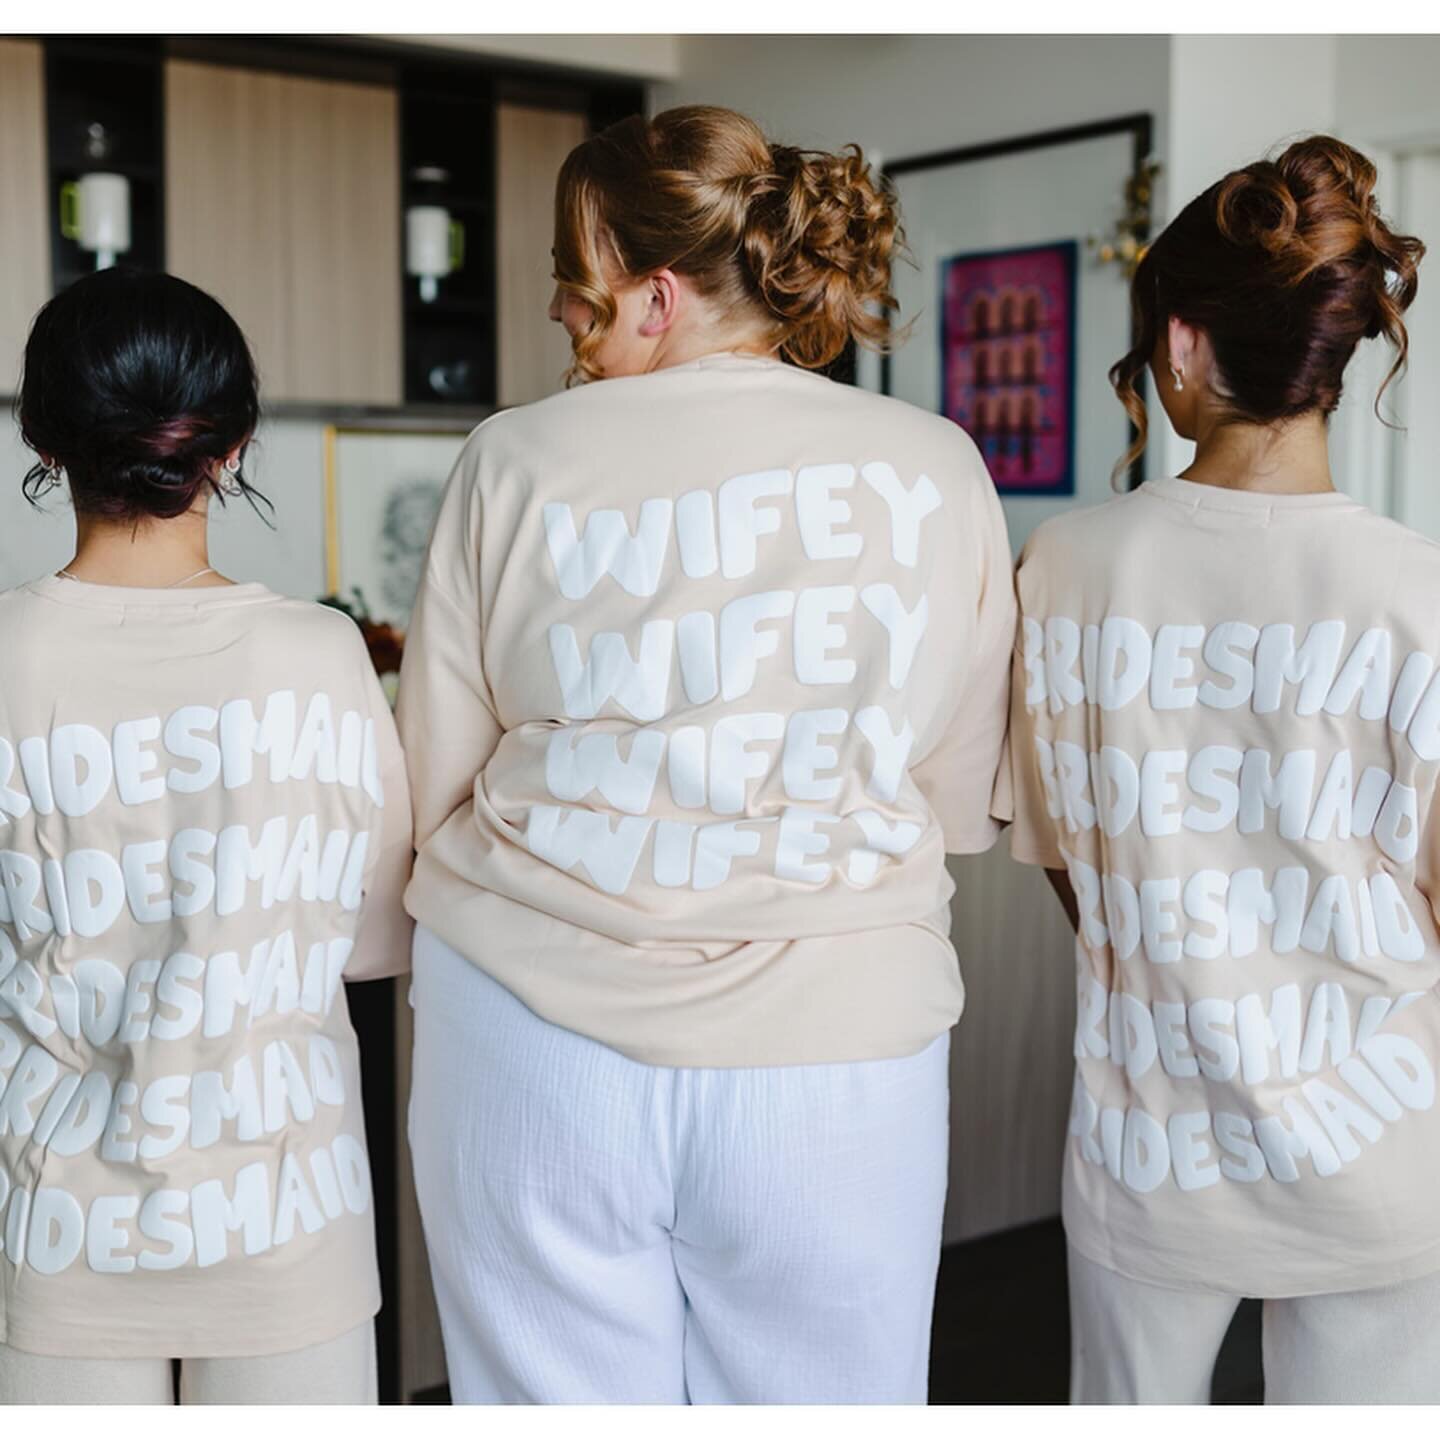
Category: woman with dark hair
<point>204,828</point>
<point>708,670</point>
<point>1226,746</point>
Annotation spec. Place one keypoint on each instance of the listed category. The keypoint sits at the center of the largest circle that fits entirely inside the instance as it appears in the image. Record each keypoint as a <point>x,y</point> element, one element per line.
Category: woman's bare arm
<point>1060,883</point>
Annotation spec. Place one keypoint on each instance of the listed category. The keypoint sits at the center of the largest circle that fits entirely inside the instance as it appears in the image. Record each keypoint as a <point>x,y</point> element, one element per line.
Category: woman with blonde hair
<point>1226,738</point>
<point>708,671</point>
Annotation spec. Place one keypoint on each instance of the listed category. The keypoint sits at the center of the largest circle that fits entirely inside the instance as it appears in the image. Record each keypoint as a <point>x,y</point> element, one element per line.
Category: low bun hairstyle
<point>802,239</point>
<point>140,386</point>
<point>1286,266</point>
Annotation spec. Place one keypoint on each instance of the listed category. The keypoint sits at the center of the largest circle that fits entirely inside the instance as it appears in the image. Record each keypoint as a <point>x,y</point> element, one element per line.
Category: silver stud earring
<point>52,479</point>
<point>1178,376</point>
<point>228,482</point>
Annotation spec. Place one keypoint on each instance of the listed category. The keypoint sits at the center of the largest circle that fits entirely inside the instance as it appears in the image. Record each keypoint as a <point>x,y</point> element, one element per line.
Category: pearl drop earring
<point>1178,376</point>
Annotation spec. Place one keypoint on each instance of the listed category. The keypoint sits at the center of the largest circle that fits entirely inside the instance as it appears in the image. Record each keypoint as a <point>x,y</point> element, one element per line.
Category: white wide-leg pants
<point>337,1371</point>
<point>1134,1343</point>
<point>607,1231</point>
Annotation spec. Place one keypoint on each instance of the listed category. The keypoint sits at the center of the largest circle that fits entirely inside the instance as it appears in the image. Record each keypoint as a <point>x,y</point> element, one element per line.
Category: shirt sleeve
<point>382,942</point>
<point>1023,789</point>
<point>957,777</point>
<point>446,715</point>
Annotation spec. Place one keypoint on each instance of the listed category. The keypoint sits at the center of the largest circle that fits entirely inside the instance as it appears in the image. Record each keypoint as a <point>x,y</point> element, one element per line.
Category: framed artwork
<point>382,491</point>
<point>1008,319</point>
<point>1007,364</point>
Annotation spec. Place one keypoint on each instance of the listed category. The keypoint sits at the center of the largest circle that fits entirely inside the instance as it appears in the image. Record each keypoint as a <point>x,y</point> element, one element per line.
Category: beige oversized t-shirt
<point>1227,728</point>
<point>708,669</point>
<point>204,828</point>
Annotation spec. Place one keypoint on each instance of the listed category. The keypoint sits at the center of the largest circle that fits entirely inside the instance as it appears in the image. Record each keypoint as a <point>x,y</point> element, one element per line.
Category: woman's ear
<point>663,298</point>
<point>1182,346</point>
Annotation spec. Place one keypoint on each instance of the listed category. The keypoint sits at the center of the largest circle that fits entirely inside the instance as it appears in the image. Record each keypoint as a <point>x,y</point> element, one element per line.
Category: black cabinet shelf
<point>444,304</point>
<point>131,170</point>
<point>447,127</point>
<point>461,202</point>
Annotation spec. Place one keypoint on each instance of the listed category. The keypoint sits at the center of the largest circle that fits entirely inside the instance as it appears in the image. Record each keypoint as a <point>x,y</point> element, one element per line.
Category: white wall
<point>1386,89</point>
<point>286,462</point>
<point>1274,88</point>
<point>1234,98</point>
<point>1389,105</point>
<point>1417,496</point>
<point>903,95</point>
<point>32,542</point>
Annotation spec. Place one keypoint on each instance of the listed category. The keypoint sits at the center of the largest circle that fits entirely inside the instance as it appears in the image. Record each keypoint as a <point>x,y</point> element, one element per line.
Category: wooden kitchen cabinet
<point>24,201</point>
<point>282,200</point>
<point>531,144</point>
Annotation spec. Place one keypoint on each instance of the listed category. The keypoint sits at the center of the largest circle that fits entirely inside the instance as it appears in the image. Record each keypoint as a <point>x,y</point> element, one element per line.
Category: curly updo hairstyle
<point>1286,265</point>
<point>802,240</point>
<point>140,386</point>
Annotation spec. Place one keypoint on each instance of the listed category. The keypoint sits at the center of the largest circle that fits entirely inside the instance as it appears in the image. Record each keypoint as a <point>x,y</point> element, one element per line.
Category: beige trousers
<point>340,1371</point>
<point>1134,1343</point>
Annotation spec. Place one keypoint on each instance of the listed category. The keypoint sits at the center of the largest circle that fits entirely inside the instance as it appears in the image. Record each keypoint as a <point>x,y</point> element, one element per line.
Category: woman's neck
<point>687,345</point>
<point>1291,458</point>
<point>149,555</point>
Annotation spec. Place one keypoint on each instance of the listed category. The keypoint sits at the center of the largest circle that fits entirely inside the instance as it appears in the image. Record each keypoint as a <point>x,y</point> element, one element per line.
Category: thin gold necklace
<point>174,585</point>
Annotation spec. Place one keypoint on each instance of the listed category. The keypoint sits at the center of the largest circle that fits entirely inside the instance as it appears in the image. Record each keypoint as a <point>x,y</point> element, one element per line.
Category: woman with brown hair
<point>708,671</point>
<point>1226,740</point>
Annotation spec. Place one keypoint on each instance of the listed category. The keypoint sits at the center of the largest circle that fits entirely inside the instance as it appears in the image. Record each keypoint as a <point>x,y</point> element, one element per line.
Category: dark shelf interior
<point>449,358</point>
<point>451,132</point>
<point>461,202</point>
<point>122,92</point>
<point>445,303</point>
<point>118,87</point>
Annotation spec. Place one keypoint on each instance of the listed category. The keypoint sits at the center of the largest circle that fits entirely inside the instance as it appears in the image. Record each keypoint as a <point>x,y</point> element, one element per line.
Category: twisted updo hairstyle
<point>800,240</point>
<point>1286,265</point>
<point>140,386</point>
